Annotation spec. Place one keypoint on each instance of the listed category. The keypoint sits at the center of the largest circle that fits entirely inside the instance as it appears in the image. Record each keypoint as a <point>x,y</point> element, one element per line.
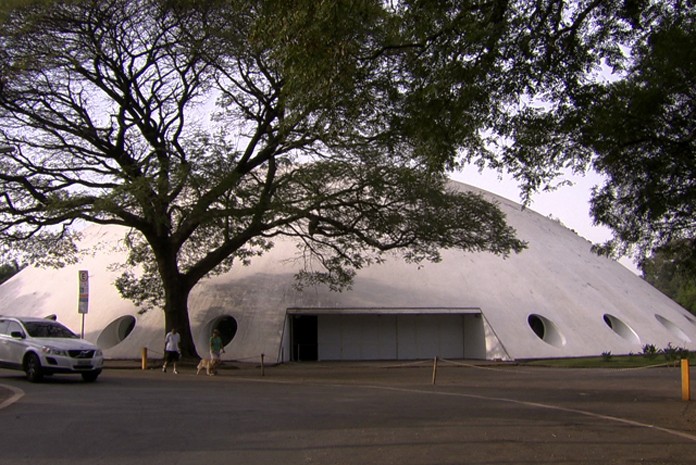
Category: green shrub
<point>673,354</point>
<point>650,351</point>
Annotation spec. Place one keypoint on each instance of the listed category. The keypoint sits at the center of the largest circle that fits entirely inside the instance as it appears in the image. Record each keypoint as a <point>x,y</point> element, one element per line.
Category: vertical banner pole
<point>83,297</point>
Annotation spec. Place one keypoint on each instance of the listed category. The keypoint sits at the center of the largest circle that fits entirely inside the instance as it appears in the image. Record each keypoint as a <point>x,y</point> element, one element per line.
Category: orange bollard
<point>143,359</point>
<point>686,379</point>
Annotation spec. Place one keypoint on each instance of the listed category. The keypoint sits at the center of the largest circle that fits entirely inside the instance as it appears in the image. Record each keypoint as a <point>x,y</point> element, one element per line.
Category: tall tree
<point>210,127</point>
<point>637,127</point>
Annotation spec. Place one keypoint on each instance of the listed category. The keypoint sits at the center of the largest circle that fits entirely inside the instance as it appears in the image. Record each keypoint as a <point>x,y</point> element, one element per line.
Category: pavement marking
<point>625,421</point>
<point>600,416</point>
<point>16,395</point>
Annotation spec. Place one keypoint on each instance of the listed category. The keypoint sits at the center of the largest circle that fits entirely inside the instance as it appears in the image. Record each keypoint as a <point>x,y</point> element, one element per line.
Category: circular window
<point>672,328</point>
<point>227,326</point>
<point>546,330</point>
<point>690,319</point>
<point>116,331</point>
<point>621,328</point>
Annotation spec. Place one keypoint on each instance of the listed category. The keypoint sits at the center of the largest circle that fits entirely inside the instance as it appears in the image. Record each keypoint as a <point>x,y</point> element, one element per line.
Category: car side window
<point>3,327</point>
<point>13,326</point>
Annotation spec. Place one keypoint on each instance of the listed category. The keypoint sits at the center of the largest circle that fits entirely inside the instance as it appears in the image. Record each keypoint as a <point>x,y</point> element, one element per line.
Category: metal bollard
<point>143,359</point>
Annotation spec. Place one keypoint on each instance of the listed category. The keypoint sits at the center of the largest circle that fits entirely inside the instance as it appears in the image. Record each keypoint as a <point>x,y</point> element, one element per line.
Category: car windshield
<point>48,329</point>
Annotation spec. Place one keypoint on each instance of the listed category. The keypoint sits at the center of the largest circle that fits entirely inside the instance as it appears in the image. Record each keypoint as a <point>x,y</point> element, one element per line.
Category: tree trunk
<point>176,316</point>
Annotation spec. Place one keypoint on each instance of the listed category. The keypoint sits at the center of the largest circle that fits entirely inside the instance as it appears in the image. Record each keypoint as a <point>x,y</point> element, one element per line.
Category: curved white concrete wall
<point>569,290</point>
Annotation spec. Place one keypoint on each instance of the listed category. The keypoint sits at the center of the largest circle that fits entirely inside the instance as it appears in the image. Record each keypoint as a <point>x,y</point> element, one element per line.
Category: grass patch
<point>615,361</point>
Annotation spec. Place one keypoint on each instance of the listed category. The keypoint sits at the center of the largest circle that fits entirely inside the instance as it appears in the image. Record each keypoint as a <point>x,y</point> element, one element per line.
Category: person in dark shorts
<point>172,351</point>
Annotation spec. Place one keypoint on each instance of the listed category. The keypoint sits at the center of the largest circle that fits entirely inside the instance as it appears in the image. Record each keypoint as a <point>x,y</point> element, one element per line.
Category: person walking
<point>172,351</point>
<point>216,349</point>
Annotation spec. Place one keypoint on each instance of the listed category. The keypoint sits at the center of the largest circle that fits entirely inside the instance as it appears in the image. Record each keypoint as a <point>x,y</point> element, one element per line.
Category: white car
<point>41,347</point>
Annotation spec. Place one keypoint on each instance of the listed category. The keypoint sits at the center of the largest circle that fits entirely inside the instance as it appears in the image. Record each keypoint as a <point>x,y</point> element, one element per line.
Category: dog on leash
<point>210,366</point>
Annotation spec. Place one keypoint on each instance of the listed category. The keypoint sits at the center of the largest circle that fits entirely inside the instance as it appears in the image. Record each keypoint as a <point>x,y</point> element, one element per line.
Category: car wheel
<point>90,376</point>
<point>32,367</point>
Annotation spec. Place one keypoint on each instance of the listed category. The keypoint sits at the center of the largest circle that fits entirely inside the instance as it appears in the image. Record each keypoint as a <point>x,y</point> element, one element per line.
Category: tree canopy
<point>639,130</point>
<point>7,270</point>
<point>209,128</point>
<point>672,270</point>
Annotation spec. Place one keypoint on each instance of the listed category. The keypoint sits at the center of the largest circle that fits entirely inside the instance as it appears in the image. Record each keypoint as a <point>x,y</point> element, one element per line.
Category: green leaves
<point>671,269</point>
<point>355,214</point>
<point>641,130</point>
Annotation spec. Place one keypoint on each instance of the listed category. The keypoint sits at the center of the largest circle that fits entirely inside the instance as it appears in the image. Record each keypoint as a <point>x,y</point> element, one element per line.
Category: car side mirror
<point>17,334</point>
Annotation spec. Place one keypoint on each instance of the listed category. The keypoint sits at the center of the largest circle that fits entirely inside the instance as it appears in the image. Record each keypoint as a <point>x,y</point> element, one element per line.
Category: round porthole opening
<point>546,330</point>
<point>690,319</point>
<point>116,331</point>
<point>672,328</point>
<point>227,326</point>
<point>621,328</point>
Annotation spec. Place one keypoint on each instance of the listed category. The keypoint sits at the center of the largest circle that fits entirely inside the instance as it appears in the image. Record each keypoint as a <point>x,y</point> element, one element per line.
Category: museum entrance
<point>304,331</point>
<point>386,334</point>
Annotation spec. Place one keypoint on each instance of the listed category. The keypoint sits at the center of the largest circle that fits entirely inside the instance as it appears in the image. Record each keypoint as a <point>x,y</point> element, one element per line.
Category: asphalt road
<point>349,414</point>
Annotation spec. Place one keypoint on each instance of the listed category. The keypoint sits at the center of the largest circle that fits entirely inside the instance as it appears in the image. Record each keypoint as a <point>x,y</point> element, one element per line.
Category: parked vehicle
<point>42,347</point>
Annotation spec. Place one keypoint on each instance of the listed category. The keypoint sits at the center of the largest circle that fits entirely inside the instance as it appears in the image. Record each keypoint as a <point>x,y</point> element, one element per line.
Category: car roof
<point>26,319</point>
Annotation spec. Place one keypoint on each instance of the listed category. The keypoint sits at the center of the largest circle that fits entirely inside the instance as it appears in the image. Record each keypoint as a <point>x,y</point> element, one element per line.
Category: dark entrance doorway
<point>304,338</point>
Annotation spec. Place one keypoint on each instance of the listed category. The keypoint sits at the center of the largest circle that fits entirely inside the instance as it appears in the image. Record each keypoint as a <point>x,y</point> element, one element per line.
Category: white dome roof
<point>555,299</point>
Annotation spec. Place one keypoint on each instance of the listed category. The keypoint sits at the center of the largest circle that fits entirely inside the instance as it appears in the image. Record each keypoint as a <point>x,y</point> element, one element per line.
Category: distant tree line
<point>7,270</point>
<point>672,270</point>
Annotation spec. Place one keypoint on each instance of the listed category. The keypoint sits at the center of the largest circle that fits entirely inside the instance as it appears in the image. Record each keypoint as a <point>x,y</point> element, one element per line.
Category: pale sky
<point>569,204</point>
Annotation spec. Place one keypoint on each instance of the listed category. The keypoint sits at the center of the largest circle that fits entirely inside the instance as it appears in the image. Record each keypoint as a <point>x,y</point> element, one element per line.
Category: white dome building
<point>555,299</point>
